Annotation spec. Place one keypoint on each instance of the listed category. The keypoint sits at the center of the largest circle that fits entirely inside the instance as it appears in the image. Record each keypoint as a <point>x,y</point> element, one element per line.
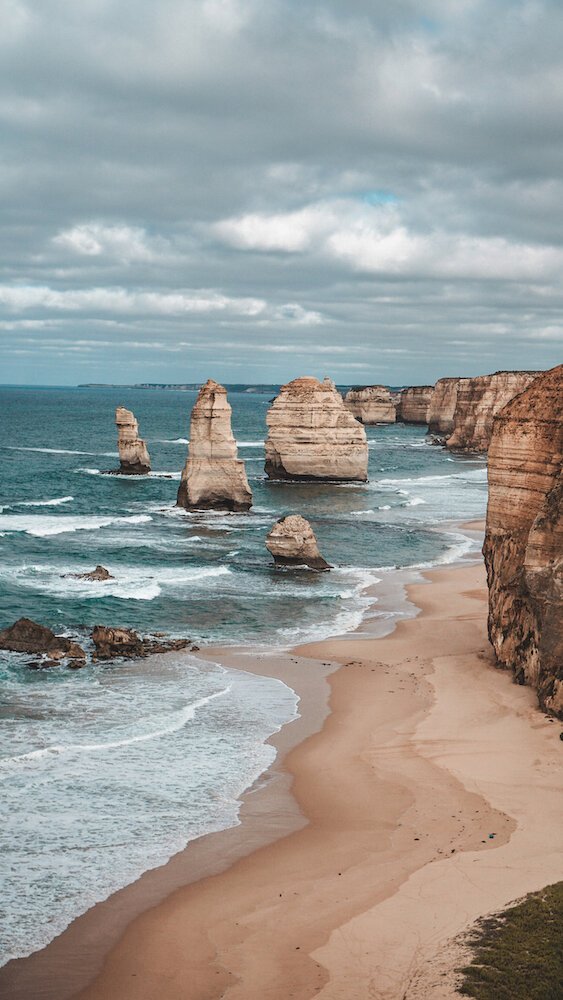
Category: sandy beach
<point>429,796</point>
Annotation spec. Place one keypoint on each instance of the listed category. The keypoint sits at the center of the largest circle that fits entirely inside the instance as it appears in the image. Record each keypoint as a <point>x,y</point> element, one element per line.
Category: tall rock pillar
<point>134,459</point>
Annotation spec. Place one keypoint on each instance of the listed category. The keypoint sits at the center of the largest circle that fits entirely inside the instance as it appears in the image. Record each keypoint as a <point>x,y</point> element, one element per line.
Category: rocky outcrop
<point>442,406</point>
<point>478,400</point>
<point>413,404</point>
<point>27,636</point>
<point>292,542</point>
<point>523,546</point>
<point>312,436</point>
<point>100,573</point>
<point>125,643</point>
<point>371,404</point>
<point>134,459</point>
<point>213,478</point>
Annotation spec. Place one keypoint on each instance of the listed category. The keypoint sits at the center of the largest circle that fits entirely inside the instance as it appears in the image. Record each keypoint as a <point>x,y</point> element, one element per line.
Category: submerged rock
<point>312,436</point>
<point>371,404</point>
<point>413,404</point>
<point>478,400</point>
<point>213,478</point>
<point>27,636</point>
<point>134,459</point>
<point>99,573</point>
<point>523,546</point>
<point>292,542</point>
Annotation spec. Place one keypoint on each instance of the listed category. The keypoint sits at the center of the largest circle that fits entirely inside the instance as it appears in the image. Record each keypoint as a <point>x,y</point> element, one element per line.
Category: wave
<point>129,583</point>
<point>471,475</point>
<point>415,502</point>
<point>61,451</point>
<point>43,526</point>
<point>157,474</point>
<point>250,444</point>
<point>171,441</point>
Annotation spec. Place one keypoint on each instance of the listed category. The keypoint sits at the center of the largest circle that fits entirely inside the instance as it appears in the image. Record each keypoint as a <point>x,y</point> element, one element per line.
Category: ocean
<point>84,808</point>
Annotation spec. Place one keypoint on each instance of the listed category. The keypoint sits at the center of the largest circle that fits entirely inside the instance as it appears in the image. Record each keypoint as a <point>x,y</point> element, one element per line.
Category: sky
<point>253,190</point>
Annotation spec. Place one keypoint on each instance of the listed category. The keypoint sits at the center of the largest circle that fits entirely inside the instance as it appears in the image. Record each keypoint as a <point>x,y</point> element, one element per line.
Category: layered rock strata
<point>371,404</point>
<point>214,478</point>
<point>413,404</point>
<point>478,400</point>
<point>442,407</point>
<point>292,542</point>
<point>312,436</point>
<point>523,546</point>
<point>134,459</point>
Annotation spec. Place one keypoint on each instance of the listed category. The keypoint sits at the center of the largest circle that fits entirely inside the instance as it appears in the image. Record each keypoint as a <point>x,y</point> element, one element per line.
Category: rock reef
<point>134,459</point>
<point>442,407</point>
<point>27,636</point>
<point>312,436</point>
<point>292,542</point>
<point>413,404</point>
<point>371,404</point>
<point>99,574</point>
<point>523,546</point>
<point>214,478</point>
<point>478,400</point>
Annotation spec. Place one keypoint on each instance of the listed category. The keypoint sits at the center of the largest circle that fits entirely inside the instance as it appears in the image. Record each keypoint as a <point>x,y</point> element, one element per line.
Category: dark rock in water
<point>111,643</point>
<point>99,573</point>
<point>27,636</point>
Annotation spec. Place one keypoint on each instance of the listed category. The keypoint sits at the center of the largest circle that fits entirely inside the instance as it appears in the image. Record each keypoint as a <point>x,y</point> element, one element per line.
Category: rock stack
<point>413,404</point>
<point>523,546</point>
<point>213,478</point>
<point>371,404</point>
<point>292,542</point>
<point>442,407</point>
<point>478,400</point>
<point>312,436</point>
<point>134,459</point>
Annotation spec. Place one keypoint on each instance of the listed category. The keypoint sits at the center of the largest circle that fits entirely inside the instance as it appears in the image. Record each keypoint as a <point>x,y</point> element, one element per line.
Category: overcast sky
<point>258,189</point>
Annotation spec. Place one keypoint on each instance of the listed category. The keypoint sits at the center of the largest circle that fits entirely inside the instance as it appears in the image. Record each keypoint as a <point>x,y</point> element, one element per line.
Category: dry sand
<point>427,750</point>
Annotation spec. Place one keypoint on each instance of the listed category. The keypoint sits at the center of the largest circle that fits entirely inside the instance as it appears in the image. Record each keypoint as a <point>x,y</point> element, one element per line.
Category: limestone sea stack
<point>312,436</point>
<point>134,458</point>
<point>371,404</point>
<point>413,404</point>
<point>442,406</point>
<point>523,546</point>
<point>292,542</point>
<point>214,478</point>
<point>478,400</point>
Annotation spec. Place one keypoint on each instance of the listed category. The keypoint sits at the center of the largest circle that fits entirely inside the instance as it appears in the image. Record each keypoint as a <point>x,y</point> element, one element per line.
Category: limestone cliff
<point>413,404</point>
<point>371,404</point>
<point>213,476</point>
<point>478,400</point>
<point>134,458</point>
<point>312,436</point>
<point>442,406</point>
<point>523,546</point>
<point>292,542</point>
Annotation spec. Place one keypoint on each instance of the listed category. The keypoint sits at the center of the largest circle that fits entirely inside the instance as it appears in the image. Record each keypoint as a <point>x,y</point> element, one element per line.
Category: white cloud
<point>122,243</point>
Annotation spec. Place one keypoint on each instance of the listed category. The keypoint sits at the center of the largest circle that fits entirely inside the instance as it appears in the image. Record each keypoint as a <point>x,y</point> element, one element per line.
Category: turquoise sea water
<point>85,807</point>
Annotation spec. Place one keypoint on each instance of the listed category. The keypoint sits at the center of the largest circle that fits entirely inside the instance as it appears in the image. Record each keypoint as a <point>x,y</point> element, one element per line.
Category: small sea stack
<point>292,542</point>
<point>371,404</point>
<point>413,404</point>
<point>213,478</point>
<point>478,400</point>
<point>312,436</point>
<point>134,459</point>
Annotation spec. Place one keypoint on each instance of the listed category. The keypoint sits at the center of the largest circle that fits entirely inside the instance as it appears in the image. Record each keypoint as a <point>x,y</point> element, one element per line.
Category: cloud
<point>92,239</point>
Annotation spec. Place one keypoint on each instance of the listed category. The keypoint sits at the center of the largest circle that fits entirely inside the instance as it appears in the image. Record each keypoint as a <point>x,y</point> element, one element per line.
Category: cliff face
<point>442,406</point>
<point>478,400</point>
<point>292,542</point>
<point>313,436</point>
<point>413,404</point>
<point>134,458</point>
<point>371,404</point>
<point>523,546</point>
<point>213,477</point>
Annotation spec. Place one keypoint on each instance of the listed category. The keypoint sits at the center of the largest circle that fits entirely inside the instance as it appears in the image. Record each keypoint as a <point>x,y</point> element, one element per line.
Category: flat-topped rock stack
<point>442,407</point>
<point>134,459</point>
<point>292,542</point>
<point>478,400</point>
<point>523,546</point>
<point>413,404</point>
<point>371,404</point>
<point>312,436</point>
<point>213,478</point>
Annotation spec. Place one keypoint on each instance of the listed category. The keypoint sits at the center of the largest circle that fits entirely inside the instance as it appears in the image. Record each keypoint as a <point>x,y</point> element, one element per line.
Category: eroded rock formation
<point>478,400</point>
<point>292,542</point>
<point>27,636</point>
<point>213,478</point>
<point>442,407</point>
<point>134,459</point>
<point>99,574</point>
<point>413,404</point>
<point>125,643</point>
<point>371,404</point>
<point>523,546</point>
<point>312,436</point>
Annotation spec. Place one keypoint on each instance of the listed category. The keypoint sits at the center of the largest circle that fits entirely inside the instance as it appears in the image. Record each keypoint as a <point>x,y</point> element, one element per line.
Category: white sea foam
<point>61,451</point>
<point>157,474</point>
<point>250,444</point>
<point>55,502</point>
<point>171,441</point>
<point>415,502</point>
<point>129,583</point>
<point>42,526</point>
